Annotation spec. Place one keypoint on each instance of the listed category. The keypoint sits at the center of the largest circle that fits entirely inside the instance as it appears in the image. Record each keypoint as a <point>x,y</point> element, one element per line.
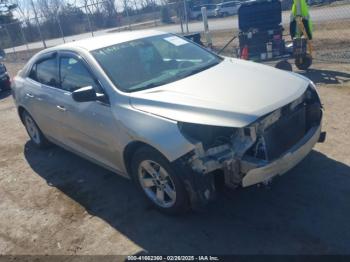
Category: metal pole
<point>37,23</point>
<point>25,40</point>
<point>181,18</point>
<point>206,27</point>
<point>128,18</point>
<point>10,39</point>
<point>89,22</point>
<point>186,15</point>
<point>60,27</point>
<point>155,13</point>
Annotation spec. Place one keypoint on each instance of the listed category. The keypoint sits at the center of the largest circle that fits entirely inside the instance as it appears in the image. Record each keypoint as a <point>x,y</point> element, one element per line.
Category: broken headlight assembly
<point>209,136</point>
<point>311,94</point>
<point>215,145</point>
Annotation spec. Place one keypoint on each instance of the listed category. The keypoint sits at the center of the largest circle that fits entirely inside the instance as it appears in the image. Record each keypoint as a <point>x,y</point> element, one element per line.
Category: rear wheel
<point>35,134</point>
<point>157,180</point>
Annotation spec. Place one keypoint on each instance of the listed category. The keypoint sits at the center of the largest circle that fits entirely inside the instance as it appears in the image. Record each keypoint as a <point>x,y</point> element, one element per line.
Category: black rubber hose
<point>229,42</point>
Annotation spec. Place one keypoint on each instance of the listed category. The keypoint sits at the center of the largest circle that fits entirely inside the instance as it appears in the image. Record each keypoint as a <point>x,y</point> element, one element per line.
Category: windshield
<point>153,61</point>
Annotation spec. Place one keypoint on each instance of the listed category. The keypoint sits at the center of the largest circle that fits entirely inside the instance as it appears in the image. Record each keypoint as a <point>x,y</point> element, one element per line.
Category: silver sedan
<point>171,115</point>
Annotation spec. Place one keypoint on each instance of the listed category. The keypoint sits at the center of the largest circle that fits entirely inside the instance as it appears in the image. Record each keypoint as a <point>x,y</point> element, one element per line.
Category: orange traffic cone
<point>245,54</point>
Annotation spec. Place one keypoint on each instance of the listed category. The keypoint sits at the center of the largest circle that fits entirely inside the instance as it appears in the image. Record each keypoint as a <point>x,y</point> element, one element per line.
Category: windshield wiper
<point>152,85</point>
<point>197,70</point>
<point>176,77</point>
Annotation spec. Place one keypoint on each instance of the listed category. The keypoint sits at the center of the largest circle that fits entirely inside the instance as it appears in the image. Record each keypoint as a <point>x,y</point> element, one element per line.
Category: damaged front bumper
<point>254,154</point>
<point>199,177</point>
<point>245,171</point>
<point>290,159</point>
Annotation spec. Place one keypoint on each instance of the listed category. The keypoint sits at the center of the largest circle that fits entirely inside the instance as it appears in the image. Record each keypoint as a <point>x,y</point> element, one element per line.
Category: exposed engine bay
<point>235,151</point>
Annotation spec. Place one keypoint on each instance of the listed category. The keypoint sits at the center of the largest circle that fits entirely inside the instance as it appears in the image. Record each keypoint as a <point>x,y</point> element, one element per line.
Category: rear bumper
<point>290,159</point>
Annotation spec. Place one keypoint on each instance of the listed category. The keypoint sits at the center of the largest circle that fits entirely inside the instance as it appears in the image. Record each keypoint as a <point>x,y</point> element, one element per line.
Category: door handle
<point>61,108</point>
<point>30,95</point>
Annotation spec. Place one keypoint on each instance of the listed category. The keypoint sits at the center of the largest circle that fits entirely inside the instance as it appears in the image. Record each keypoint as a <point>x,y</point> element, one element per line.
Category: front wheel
<point>158,181</point>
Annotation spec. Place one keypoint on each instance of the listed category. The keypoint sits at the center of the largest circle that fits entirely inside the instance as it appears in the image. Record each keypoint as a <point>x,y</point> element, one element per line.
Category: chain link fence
<point>25,37</point>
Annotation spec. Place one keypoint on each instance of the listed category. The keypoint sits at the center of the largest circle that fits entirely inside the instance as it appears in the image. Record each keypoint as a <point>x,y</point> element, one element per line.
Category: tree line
<point>24,21</point>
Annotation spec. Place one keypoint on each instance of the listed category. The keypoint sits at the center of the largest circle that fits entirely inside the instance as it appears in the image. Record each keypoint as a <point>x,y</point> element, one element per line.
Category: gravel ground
<point>54,202</point>
<point>330,44</point>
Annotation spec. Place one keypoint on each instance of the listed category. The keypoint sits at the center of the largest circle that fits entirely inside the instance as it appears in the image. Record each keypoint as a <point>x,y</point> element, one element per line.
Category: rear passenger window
<point>74,75</point>
<point>45,72</point>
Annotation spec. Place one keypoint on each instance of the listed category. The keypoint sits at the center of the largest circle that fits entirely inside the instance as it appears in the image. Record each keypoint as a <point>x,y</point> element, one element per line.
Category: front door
<point>92,128</point>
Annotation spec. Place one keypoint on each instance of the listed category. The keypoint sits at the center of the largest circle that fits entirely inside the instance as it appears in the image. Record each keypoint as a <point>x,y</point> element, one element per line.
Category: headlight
<point>312,94</point>
<point>210,136</point>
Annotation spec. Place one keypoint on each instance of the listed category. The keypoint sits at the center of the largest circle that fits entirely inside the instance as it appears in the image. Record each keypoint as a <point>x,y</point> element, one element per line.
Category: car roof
<point>94,43</point>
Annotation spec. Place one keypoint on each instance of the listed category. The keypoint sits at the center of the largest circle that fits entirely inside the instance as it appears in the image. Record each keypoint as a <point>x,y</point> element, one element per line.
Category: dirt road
<point>53,202</point>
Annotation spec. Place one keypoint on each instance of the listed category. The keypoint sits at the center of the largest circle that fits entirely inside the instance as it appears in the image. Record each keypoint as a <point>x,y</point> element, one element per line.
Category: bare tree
<point>135,5</point>
<point>23,9</point>
<point>110,12</point>
<point>49,8</point>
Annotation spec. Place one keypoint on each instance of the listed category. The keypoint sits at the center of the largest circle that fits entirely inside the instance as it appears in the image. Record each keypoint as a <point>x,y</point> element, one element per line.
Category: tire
<point>34,132</point>
<point>159,183</point>
<point>303,63</point>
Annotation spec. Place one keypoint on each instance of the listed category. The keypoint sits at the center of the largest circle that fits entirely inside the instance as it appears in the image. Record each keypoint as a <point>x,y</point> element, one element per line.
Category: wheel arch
<point>131,149</point>
<point>20,111</point>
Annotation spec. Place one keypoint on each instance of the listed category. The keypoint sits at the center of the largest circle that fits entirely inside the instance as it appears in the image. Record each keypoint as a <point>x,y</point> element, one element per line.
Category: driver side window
<point>74,74</point>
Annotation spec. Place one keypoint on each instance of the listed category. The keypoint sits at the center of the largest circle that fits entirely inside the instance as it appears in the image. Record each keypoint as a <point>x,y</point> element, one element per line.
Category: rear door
<point>42,93</point>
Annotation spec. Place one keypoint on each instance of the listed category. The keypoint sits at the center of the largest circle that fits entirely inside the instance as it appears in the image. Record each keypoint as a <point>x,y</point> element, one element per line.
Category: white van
<point>226,9</point>
<point>196,12</point>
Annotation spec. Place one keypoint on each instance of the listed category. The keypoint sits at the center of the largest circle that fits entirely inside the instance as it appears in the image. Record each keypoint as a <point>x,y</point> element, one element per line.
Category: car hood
<point>233,93</point>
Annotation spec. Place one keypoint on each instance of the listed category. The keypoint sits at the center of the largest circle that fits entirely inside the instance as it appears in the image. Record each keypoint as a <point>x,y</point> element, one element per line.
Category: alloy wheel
<point>32,129</point>
<point>157,183</point>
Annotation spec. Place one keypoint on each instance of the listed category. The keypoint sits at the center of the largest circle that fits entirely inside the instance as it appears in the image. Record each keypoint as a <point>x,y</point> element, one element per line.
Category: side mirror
<point>84,94</point>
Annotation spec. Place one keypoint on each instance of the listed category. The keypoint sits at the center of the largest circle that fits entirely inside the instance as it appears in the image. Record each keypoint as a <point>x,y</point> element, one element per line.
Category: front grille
<point>285,133</point>
<point>297,118</point>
